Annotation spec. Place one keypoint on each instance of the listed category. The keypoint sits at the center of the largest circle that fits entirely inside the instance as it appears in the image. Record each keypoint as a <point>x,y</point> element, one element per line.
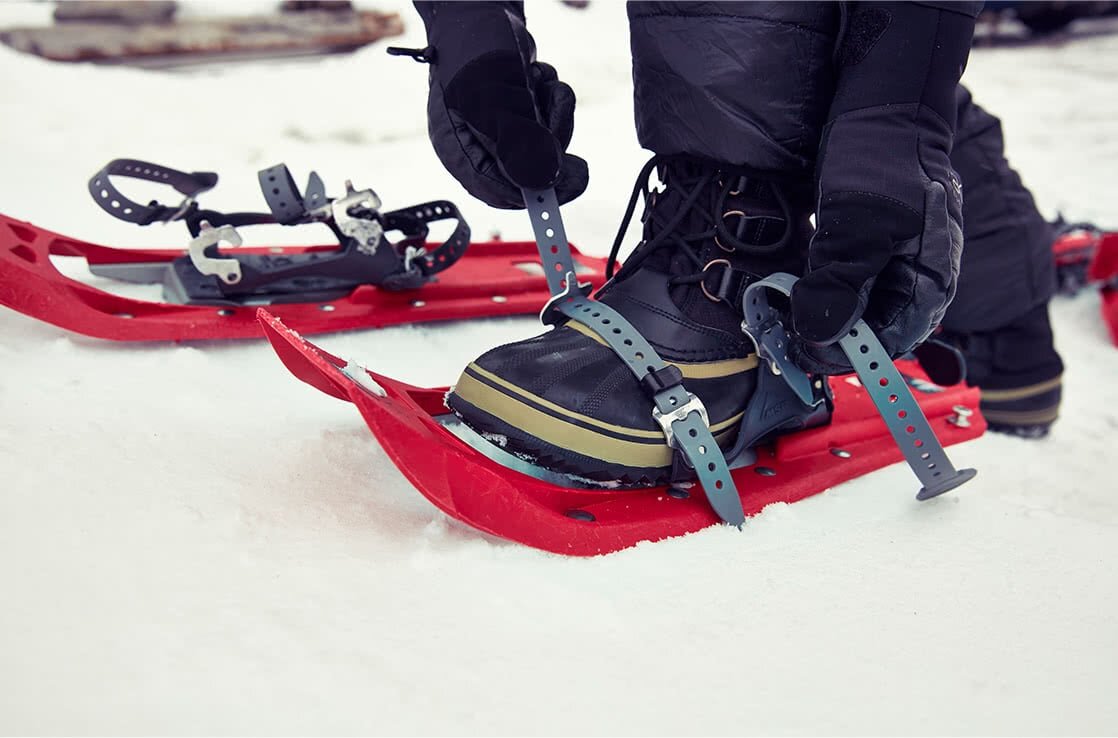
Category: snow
<point>191,541</point>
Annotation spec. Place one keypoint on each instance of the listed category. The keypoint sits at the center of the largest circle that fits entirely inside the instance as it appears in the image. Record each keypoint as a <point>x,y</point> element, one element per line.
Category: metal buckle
<point>227,270</point>
<point>184,208</point>
<point>411,253</point>
<point>665,420</point>
<point>703,284</point>
<point>366,232</point>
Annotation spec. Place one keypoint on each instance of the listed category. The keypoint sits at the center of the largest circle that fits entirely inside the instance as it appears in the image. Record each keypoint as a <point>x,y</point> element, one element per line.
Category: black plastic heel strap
<point>117,205</point>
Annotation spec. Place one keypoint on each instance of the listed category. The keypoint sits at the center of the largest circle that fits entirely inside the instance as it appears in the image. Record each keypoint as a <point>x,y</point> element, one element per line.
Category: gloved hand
<point>498,119</point>
<point>889,212</point>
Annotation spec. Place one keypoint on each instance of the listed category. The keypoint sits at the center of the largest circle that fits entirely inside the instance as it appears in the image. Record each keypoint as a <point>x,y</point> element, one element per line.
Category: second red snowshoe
<point>208,293</point>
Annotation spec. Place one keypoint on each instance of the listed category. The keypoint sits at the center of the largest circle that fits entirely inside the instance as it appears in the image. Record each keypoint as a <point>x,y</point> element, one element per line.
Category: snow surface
<point>191,541</point>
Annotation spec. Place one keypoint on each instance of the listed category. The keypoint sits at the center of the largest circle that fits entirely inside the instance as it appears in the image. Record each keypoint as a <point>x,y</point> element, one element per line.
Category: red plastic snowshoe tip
<point>1109,297</point>
<point>472,488</point>
<point>492,279</point>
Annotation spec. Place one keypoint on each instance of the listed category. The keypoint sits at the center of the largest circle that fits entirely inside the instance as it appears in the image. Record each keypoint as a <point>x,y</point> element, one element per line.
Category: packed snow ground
<point>191,541</point>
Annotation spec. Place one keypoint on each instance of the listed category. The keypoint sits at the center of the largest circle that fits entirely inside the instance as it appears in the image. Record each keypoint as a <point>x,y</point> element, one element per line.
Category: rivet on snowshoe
<point>124,315</point>
<point>841,453</point>
<point>678,493</point>
<point>499,298</point>
<point>962,416</point>
<point>765,471</point>
<point>327,308</point>
<point>225,312</point>
<point>418,303</point>
<point>581,515</point>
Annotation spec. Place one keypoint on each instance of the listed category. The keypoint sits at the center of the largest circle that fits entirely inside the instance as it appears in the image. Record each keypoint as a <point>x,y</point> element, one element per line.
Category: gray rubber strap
<point>551,238</point>
<point>680,414</point>
<point>902,414</point>
<point>887,388</point>
<point>281,194</point>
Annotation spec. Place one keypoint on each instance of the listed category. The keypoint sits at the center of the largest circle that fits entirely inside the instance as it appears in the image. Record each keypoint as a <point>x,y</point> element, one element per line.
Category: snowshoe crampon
<point>419,434</point>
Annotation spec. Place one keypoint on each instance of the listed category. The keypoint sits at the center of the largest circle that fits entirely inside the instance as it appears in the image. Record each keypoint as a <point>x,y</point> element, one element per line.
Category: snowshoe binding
<point>685,326</point>
<point>365,255</point>
<point>588,439</point>
<point>381,270</point>
<point>571,402</point>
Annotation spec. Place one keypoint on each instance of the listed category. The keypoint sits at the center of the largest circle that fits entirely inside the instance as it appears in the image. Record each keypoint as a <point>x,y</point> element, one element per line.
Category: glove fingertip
<point>574,179</point>
<point>824,309</point>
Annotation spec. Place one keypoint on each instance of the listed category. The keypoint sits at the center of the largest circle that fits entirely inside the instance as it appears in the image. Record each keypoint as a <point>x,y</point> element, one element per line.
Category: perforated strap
<point>117,205</point>
<point>551,238</point>
<point>282,194</point>
<point>680,414</point>
<point>890,394</point>
<point>412,222</point>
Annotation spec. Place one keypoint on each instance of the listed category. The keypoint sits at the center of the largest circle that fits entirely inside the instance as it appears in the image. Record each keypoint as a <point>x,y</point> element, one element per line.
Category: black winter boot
<point>1019,372</point>
<point>567,402</point>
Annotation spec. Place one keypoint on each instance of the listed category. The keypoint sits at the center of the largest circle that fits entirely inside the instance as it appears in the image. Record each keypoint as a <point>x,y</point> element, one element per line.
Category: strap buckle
<point>411,253</point>
<point>665,420</point>
<point>187,203</point>
<point>367,232</point>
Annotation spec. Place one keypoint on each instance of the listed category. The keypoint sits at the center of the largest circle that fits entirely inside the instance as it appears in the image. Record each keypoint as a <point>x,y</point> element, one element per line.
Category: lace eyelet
<point>703,284</point>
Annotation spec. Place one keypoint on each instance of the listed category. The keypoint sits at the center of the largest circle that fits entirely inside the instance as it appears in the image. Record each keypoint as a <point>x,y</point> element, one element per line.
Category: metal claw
<point>227,270</point>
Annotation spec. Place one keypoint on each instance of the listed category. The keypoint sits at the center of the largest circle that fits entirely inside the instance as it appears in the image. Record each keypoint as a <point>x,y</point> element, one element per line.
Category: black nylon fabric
<point>889,215</point>
<point>1007,266</point>
<point>498,119</point>
<point>746,84</point>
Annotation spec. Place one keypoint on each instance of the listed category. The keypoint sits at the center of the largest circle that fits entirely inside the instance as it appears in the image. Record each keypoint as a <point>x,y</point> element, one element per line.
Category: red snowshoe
<point>366,281</point>
<point>502,495</point>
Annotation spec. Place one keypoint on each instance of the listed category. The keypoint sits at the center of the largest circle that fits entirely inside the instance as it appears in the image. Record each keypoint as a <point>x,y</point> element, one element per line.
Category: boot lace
<point>699,218</point>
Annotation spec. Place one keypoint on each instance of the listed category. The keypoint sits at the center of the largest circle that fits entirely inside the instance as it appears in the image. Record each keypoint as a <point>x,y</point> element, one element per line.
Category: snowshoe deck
<point>469,486</point>
<point>492,279</point>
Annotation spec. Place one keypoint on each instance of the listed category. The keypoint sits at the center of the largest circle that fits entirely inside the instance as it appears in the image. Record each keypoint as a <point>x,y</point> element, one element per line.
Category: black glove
<point>888,215</point>
<point>498,119</point>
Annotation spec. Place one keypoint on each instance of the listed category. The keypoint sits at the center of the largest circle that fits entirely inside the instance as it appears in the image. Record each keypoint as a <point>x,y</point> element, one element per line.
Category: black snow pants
<point>1007,267</point>
<point>750,84</point>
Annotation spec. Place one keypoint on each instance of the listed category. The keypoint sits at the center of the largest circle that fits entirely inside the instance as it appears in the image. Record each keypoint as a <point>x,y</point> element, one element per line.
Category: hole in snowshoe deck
<point>23,233</point>
<point>765,471</point>
<point>678,493</point>
<point>25,253</point>
<point>581,515</point>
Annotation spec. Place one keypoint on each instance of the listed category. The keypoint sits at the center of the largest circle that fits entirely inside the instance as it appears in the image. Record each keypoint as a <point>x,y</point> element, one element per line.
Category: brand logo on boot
<point>772,411</point>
